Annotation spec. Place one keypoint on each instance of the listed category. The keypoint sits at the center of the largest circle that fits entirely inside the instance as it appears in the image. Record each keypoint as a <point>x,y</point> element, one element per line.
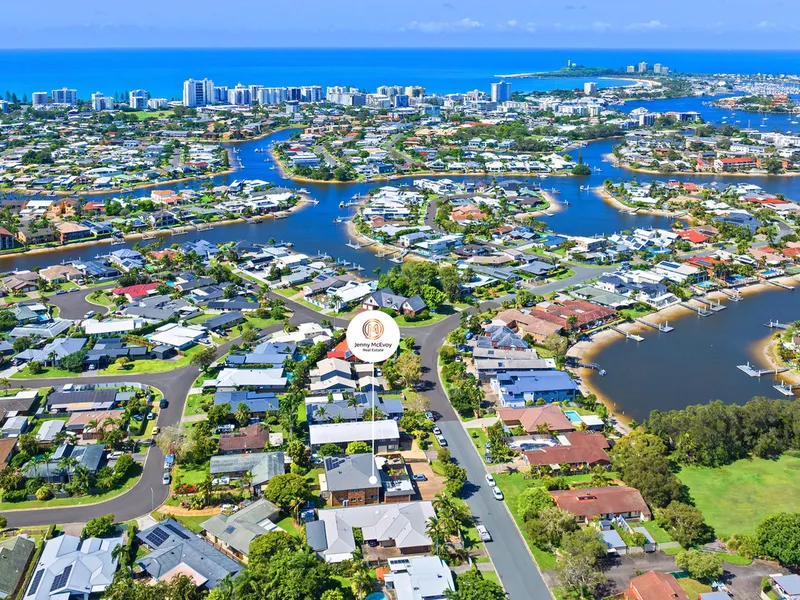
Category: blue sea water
<point>162,71</point>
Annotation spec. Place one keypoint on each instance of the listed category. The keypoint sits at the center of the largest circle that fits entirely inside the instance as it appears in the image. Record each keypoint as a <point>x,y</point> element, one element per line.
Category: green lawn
<point>735,498</point>
<point>288,524</point>
<point>734,559</point>
<point>190,522</point>
<point>100,300</point>
<point>152,365</point>
<point>442,313</point>
<point>659,535</point>
<point>77,501</point>
<point>693,588</point>
<point>257,323</point>
<point>47,373</point>
<point>199,319</point>
<point>491,576</point>
<point>190,474</point>
<point>634,313</point>
<point>193,405</point>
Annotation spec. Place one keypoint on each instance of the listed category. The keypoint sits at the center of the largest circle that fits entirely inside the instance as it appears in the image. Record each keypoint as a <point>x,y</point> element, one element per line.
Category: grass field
<point>442,313</point>
<point>693,588</point>
<point>190,474</point>
<point>152,365</point>
<point>47,373</point>
<point>735,498</point>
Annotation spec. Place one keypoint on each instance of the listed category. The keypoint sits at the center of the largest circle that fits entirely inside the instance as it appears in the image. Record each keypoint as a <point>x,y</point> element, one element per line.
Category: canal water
<point>697,361</point>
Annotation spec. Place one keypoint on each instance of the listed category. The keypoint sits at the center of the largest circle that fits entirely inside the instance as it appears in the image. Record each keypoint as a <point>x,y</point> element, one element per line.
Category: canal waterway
<point>697,361</point>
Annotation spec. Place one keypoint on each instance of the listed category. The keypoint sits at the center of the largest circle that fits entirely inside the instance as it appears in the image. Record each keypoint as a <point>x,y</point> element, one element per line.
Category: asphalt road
<point>73,305</point>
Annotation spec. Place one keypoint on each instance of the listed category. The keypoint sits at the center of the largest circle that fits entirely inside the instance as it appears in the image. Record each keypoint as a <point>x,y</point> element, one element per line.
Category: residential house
<point>21,282</point>
<point>6,239</point>
<point>400,526</point>
<point>134,292</point>
<point>787,586</point>
<point>537,419</point>
<point>52,471</point>
<point>262,467</point>
<point>8,448</point>
<point>59,273</point>
<point>386,434</point>
<point>69,567</point>
<point>419,578</point>
<point>68,231</point>
<point>31,237</point>
<point>233,533</point>
<point>347,480</point>
<point>254,379</point>
<point>175,550</point>
<point>603,503</point>
<point>13,427</point>
<point>15,556</point>
<point>253,438</point>
<point>655,585</point>
<point>581,450</point>
<point>90,424</point>
<point>52,353</point>
<point>517,388</point>
<point>528,323</point>
<point>223,322</point>
<point>386,298</point>
<point>49,430</point>
<point>81,400</point>
<point>258,403</point>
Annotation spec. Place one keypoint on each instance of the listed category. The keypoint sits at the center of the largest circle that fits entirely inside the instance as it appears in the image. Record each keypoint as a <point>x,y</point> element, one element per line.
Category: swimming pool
<point>376,596</point>
<point>573,416</point>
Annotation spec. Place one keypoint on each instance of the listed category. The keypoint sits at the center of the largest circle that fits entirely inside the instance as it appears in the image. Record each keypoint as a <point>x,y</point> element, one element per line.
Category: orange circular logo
<point>372,329</point>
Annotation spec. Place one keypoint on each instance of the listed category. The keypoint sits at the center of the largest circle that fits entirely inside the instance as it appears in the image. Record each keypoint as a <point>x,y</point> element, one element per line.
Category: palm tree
<point>352,402</point>
<point>82,478</point>
<point>6,383</point>
<point>320,413</point>
<point>435,530</point>
<point>360,581</point>
<point>60,437</point>
<point>68,463</point>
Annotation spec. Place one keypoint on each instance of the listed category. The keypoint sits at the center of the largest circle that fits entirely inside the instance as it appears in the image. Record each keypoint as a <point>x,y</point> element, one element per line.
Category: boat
<point>337,220</point>
<point>583,188</point>
<point>342,204</point>
<point>566,203</point>
<point>554,191</point>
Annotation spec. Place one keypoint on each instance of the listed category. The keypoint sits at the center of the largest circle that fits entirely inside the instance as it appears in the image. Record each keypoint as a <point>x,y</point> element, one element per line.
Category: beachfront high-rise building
<point>271,96</point>
<point>137,99</point>
<point>501,91</point>
<point>221,94</point>
<point>657,68</point>
<point>239,96</point>
<point>3,106</point>
<point>254,89</point>
<point>311,93</point>
<point>631,69</point>
<point>39,99</point>
<point>590,88</point>
<point>642,67</point>
<point>65,96</point>
<point>198,92</point>
<point>102,102</point>
<point>415,91</point>
<point>157,103</point>
<point>294,93</point>
<point>400,101</point>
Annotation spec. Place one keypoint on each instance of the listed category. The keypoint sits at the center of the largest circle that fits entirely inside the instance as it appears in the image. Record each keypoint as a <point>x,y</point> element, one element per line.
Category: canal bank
<point>694,363</point>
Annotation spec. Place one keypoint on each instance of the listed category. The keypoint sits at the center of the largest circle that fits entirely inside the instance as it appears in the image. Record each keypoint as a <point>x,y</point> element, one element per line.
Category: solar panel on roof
<point>61,579</point>
<point>230,529</point>
<point>157,537</point>
<point>37,579</point>
<point>176,531</point>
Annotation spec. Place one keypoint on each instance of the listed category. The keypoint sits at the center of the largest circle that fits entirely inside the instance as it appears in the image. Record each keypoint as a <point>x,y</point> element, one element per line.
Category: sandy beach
<point>615,202</point>
<point>765,353</point>
<point>758,173</point>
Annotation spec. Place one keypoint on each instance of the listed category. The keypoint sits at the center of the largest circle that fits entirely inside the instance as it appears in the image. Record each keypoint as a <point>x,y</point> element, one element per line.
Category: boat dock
<point>753,372</point>
<point>734,295</point>
<point>593,367</point>
<point>776,325</point>
<point>628,335</point>
<point>662,327</point>
<point>783,286</point>
<point>787,389</point>
<point>715,307</point>
<point>357,246</point>
<point>701,311</point>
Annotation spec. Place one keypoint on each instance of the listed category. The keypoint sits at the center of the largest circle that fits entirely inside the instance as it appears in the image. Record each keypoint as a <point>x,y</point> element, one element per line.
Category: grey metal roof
<point>14,557</point>
<point>350,472</point>
<point>315,536</point>
<point>240,528</point>
<point>230,318</point>
<point>273,463</point>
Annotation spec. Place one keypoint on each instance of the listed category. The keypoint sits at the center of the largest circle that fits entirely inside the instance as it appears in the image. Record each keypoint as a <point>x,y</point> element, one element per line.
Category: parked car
<point>419,477</point>
<point>488,457</point>
<point>151,416</point>
<point>166,479</point>
<point>483,533</point>
<point>436,430</point>
<point>429,415</point>
<point>227,428</point>
<point>498,495</point>
<point>156,431</point>
<point>59,292</point>
<point>441,440</point>
<point>137,417</point>
<point>490,480</point>
<point>115,455</point>
<point>164,403</point>
<point>89,314</point>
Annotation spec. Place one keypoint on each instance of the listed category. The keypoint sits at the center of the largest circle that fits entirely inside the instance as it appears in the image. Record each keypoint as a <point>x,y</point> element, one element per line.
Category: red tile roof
<point>135,291</point>
<point>252,438</point>
<point>588,503</point>
<point>585,448</point>
<point>693,236</point>
<point>529,418</point>
<point>654,585</point>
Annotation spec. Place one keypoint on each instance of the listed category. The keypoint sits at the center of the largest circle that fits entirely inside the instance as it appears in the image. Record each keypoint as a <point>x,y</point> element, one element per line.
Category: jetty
<point>734,295</point>
<point>715,307</point>
<point>662,327</point>
<point>357,246</point>
<point>776,325</point>
<point>593,367</point>
<point>787,389</point>
<point>628,335</point>
<point>783,286</point>
<point>701,311</point>
<point>753,372</point>
<point>148,235</point>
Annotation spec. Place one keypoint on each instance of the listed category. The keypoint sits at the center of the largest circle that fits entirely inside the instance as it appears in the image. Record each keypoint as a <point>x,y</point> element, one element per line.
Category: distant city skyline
<point>713,24</point>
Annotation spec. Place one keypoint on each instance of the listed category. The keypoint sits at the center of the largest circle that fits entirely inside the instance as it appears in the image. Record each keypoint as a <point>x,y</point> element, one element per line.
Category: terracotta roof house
<point>536,417</point>
<point>8,447</point>
<point>252,438</point>
<point>603,502</point>
<point>531,323</point>
<point>579,449</point>
<point>132,292</point>
<point>71,231</point>
<point>655,585</point>
<point>60,273</point>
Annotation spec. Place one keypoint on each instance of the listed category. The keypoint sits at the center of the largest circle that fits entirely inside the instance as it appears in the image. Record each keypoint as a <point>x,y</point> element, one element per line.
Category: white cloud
<point>601,26</point>
<point>512,23</point>
<point>766,25</point>
<point>647,26</point>
<point>530,27</point>
<point>464,24</point>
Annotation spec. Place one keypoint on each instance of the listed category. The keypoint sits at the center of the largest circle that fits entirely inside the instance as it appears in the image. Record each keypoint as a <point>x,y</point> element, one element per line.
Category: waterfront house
<point>527,322</point>
<point>603,503</point>
<point>655,585</point>
<point>6,239</point>
<point>537,419</point>
<point>68,231</point>
<point>59,273</point>
<point>516,388</point>
<point>21,282</point>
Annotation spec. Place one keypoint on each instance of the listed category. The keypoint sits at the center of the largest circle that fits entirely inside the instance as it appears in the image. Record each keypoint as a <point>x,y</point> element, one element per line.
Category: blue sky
<point>723,24</point>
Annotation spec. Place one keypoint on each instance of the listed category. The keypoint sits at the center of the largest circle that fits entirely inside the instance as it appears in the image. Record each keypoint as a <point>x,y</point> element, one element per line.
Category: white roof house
<point>176,335</point>
<point>401,525</point>
<point>70,567</point>
<point>47,432</point>
<point>257,378</point>
<point>111,326</point>
<point>419,577</point>
<point>386,434</point>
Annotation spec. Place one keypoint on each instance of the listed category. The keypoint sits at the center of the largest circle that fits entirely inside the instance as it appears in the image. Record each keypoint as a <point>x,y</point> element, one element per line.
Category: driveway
<point>427,489</point>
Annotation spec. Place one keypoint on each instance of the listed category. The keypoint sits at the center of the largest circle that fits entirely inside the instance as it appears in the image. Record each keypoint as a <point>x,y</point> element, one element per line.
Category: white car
<point>115,455</point>
<point>436,430</point>
<point>483,533</point>
<point>490,480</point>
<point>498,495</point>
<point>441,440</point>
<point>166,479</point>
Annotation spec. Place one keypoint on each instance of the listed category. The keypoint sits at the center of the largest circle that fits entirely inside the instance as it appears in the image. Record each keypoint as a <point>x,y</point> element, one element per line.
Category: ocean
<point>162,71</point>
